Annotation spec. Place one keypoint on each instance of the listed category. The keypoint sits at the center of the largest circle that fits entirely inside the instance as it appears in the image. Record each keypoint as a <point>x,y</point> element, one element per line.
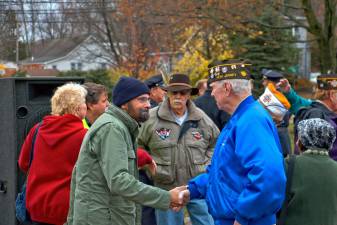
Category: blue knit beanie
<point>126,89</point>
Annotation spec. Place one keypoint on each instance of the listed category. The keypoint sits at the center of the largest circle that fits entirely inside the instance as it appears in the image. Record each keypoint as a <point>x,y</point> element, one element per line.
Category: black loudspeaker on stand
<point>23,103</point>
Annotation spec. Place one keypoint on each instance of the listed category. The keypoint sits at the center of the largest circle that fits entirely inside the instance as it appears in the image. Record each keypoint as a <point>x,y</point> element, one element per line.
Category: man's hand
<point>179,197</point>
<point>152,167</point>
<point>236,223</point>
<point>283,85</point>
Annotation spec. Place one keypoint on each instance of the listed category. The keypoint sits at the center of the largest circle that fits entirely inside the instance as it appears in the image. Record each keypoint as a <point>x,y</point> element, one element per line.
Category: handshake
<point>180,196</point>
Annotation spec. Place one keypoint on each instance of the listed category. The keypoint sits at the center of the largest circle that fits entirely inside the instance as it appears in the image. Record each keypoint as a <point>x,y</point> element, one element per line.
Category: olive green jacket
<point>313,191</point>
<point>181,152</point>
<point>105,187</point>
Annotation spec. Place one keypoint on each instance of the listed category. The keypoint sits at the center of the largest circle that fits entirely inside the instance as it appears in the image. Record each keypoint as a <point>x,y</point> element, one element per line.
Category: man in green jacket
<point>105,187</point>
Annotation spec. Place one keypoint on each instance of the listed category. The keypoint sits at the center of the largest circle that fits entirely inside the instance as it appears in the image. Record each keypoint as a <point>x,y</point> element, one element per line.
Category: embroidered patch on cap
<point>327,82</point>
<point>163,133</point>
<point>229,71</point>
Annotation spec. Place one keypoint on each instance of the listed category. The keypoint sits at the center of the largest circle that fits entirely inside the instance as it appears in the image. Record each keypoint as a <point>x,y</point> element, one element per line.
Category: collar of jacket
<point>323,107</point>
<point>243,105</point>
<point>165,113</point>
<point>125,118</point>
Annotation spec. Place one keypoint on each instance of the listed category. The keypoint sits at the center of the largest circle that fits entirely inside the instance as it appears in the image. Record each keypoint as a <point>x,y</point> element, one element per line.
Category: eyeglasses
<point>143,99</point>
<point>182,92</point>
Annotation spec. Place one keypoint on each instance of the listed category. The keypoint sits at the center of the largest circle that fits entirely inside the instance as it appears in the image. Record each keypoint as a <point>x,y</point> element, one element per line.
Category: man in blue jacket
<point>245,183</point>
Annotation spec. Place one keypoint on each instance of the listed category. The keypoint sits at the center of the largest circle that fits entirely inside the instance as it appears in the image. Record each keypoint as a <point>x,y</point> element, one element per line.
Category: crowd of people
<point>156,153</point>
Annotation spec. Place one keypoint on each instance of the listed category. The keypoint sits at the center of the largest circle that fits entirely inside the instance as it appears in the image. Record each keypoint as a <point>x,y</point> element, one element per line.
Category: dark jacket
<point>56,150</point>
<point>318,110</point>
<point>313,191</point>
<point>283,133</point>
<point>207,103</point>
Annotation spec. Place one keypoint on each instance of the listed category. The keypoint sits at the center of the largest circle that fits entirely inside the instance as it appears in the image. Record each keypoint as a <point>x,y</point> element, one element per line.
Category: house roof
<point>42,72</point>
<point>47,50</point>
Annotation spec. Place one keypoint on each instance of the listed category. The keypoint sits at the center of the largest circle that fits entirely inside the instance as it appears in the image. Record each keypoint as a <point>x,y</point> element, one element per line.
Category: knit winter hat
<point>316,133</point>
<point>126,89</point>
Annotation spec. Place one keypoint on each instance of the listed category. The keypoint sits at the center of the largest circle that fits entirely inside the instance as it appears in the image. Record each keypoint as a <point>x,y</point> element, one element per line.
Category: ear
<point>89,106</point>
<point>228,88</point>
<point>124,106</point>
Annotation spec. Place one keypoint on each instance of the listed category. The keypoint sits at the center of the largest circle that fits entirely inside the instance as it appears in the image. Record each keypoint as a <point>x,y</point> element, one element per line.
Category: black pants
<point>148,213</point>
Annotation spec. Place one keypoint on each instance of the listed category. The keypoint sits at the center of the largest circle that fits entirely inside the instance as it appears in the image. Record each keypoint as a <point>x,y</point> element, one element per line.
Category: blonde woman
<point>56,149</point>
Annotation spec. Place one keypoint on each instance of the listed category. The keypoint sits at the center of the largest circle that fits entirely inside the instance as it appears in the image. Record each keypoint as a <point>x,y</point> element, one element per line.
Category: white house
<point>76,53</point>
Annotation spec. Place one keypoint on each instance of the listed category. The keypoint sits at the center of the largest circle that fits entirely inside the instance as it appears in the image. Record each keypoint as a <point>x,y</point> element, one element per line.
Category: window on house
<point>103,66</point>
<point>79,66</point>
<point>55,67</point>
<point>73,66</point>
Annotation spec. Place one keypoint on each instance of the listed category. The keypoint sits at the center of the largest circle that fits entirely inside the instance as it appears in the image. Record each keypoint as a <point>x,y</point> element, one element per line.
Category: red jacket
<point>57,146</point>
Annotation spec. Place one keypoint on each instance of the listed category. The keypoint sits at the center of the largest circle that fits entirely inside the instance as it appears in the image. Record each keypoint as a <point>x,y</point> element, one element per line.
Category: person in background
<point>207,103</point>
<point>271,78</point>
<point>323,106</point>
<point>105,187</point>
<point>245,183</point>
<point>313,191</point>
<point>157,94</point>
<point>97,102</point>
<point>56,150</point>
<point>202,86</point>
<point>180,137</point>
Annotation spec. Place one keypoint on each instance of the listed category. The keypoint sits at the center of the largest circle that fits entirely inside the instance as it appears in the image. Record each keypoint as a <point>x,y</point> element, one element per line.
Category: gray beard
<point>143,115</point>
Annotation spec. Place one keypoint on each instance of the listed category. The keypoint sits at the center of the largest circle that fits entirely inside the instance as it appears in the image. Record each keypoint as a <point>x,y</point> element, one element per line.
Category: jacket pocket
<point>131,161</point>
<point>163,153</point>
<point>165,172</point>
<point>222,207</point>
<point>122,215</point>
<point>198,158</point>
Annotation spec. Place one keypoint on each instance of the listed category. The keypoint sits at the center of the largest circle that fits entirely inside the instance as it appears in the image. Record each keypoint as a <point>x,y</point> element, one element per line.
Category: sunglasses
<point>182,92</point>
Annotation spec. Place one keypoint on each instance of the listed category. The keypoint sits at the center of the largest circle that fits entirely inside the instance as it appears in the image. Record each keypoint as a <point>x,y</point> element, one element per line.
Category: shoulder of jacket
<point>154,111</point>
<point>106,121</point>
<point>308,112</point>
<point>205,118</point>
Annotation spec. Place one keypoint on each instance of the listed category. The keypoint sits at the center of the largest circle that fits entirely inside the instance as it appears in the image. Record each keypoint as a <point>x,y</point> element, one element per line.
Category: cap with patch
<point>327,82</point>
<point>235,70</point>
<point>154,81</point>
<point>271,75</point>
<point>274,101</point>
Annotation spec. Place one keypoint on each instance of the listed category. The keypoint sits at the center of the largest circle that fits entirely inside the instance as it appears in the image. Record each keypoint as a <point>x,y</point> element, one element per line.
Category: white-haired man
<point>245,182</point>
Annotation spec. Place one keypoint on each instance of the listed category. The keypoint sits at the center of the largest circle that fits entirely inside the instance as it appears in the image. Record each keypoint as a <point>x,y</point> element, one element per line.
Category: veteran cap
<point>154,81</point>
<point>327,82</point>
<point>271,75</point>
<point>229,69</point>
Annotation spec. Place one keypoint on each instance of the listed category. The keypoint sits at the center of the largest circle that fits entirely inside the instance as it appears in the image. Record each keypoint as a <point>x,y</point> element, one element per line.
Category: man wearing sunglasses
<point>180,137</point>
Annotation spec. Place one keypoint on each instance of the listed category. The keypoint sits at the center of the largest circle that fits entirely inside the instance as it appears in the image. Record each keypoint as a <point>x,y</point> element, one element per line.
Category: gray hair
<point>239,86</point>
<point>316,133</point>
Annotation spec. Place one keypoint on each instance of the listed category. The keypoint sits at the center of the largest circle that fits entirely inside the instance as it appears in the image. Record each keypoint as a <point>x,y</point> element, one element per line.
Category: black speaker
<point>23,103</point>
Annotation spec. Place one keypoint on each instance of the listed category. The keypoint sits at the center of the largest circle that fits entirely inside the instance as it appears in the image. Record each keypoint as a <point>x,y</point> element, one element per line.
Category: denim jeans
<point>197,210</point>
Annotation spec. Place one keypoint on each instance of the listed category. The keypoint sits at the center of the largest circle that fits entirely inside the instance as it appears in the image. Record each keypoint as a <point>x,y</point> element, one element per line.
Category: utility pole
<point>17,43</point>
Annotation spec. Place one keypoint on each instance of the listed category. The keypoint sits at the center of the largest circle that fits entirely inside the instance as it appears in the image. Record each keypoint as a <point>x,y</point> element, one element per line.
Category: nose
<point>147,104</point>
